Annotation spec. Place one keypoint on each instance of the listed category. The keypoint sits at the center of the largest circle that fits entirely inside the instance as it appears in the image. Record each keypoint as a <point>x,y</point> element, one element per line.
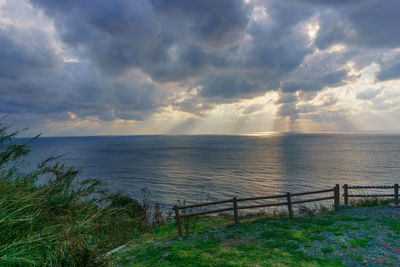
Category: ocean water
<point>199,168</point>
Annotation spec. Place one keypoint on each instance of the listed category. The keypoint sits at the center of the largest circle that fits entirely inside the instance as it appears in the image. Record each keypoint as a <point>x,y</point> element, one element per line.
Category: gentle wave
<point>199,168</point>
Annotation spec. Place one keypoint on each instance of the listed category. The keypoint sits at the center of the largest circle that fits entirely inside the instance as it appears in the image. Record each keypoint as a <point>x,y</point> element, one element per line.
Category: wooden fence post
<point>235,210</point>
<point>396,194</point>
<point>336,197</point>
<point>346,194</point>
<point>178,220</point>
<point>289,203</point>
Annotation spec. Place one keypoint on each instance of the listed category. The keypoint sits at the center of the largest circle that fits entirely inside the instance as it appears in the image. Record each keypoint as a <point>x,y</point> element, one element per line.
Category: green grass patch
<point>327,249</point>
<point>263,242</point>
<point>188,254</point>
<point>360,242</point>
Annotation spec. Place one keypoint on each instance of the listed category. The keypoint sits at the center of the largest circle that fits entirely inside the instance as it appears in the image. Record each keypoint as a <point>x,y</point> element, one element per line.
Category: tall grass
<point>65,221</point>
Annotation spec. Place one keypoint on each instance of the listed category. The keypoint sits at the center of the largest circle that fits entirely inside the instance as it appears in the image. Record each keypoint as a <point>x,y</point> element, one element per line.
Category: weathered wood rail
<point>346,194</point>
<point>289,202</point>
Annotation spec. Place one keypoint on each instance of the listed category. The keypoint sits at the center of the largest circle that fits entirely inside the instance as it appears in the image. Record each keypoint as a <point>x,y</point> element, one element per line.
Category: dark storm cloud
<point>320,71</point>
<point>190,61</point>
<point>115,35</point>
<point>213,22</point>
<point>77,88</point>
<point>390,70</point>
<point>275,51</point>
<point>277,46</point>
<point>176,40</point>
<point>316,83</point>
<point>287,98</point>
<point>119,35</point>
<point>369,23</point>
<point>24,51</point>
<point>218,47</point>
<point>34,81</point>
<point>317,72</point>
<point>26,63</point>
<point>336,3</point>
<point>230,85</point>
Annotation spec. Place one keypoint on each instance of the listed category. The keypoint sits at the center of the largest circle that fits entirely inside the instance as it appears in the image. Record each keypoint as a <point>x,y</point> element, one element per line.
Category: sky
<point>123,67</point>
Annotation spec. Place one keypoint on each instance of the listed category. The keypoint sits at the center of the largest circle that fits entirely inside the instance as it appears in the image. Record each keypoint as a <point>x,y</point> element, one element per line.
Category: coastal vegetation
<point>51,217</point>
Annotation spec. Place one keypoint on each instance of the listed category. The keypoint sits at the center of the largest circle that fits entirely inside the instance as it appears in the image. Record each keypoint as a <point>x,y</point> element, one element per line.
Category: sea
<point>198,168</point>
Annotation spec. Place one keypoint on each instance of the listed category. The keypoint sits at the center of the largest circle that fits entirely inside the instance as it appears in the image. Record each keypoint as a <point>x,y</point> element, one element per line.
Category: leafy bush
<point>370,201</point>
<point>65,220</point>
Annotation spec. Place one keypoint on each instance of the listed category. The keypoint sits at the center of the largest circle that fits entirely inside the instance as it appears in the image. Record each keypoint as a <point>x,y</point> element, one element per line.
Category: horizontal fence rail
<point>258,198</point>
<point>371,186</point>
<point>372,195</point>
<point>205,204</point>
<point>347,188</point>
<point>313,192</point>
<point>204,212</point>
<point>288,201</point>
<point>312,200</point>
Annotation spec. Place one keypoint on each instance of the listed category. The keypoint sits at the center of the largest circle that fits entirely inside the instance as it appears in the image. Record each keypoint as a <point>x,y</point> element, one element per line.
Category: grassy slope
<point>64,221</point>
<point>350,237</point>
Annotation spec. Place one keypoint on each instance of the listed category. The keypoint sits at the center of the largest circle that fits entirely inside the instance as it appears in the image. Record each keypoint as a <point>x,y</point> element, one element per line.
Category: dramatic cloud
<point>152,62</point>
<point>34,80</point>
<point>317,72</point>
<point>228,86</point>
<point>369,23</point>
<point>25,52</point>
<point>166,39</point>
<point>390,69</point>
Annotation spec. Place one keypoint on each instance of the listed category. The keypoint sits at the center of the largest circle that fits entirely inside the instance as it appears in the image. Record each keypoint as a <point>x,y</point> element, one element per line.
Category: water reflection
<point>218,167</point>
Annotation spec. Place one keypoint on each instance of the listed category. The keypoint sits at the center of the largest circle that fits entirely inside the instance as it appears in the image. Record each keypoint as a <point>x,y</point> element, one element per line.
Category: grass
<point>393,224</point>
<point>262,242</point>
<point>361,242</point>
<point>64,221</point>
<point>323,239</point>
<point>327,249</point>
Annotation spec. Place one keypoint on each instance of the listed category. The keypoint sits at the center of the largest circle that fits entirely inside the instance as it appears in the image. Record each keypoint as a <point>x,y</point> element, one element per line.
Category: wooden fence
<point>395,194</point>
<point>236,201</point>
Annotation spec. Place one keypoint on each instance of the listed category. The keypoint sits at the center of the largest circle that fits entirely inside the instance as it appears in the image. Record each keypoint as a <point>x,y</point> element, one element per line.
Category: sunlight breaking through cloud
<point>227,67</point>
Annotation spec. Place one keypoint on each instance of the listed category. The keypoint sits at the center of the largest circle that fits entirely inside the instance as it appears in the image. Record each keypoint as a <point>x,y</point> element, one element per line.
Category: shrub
<point>65,220</point>
<point>370,201</point>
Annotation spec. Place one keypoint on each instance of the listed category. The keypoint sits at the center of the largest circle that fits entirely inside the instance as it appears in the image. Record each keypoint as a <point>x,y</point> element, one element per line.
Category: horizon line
<point>252,134</point>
